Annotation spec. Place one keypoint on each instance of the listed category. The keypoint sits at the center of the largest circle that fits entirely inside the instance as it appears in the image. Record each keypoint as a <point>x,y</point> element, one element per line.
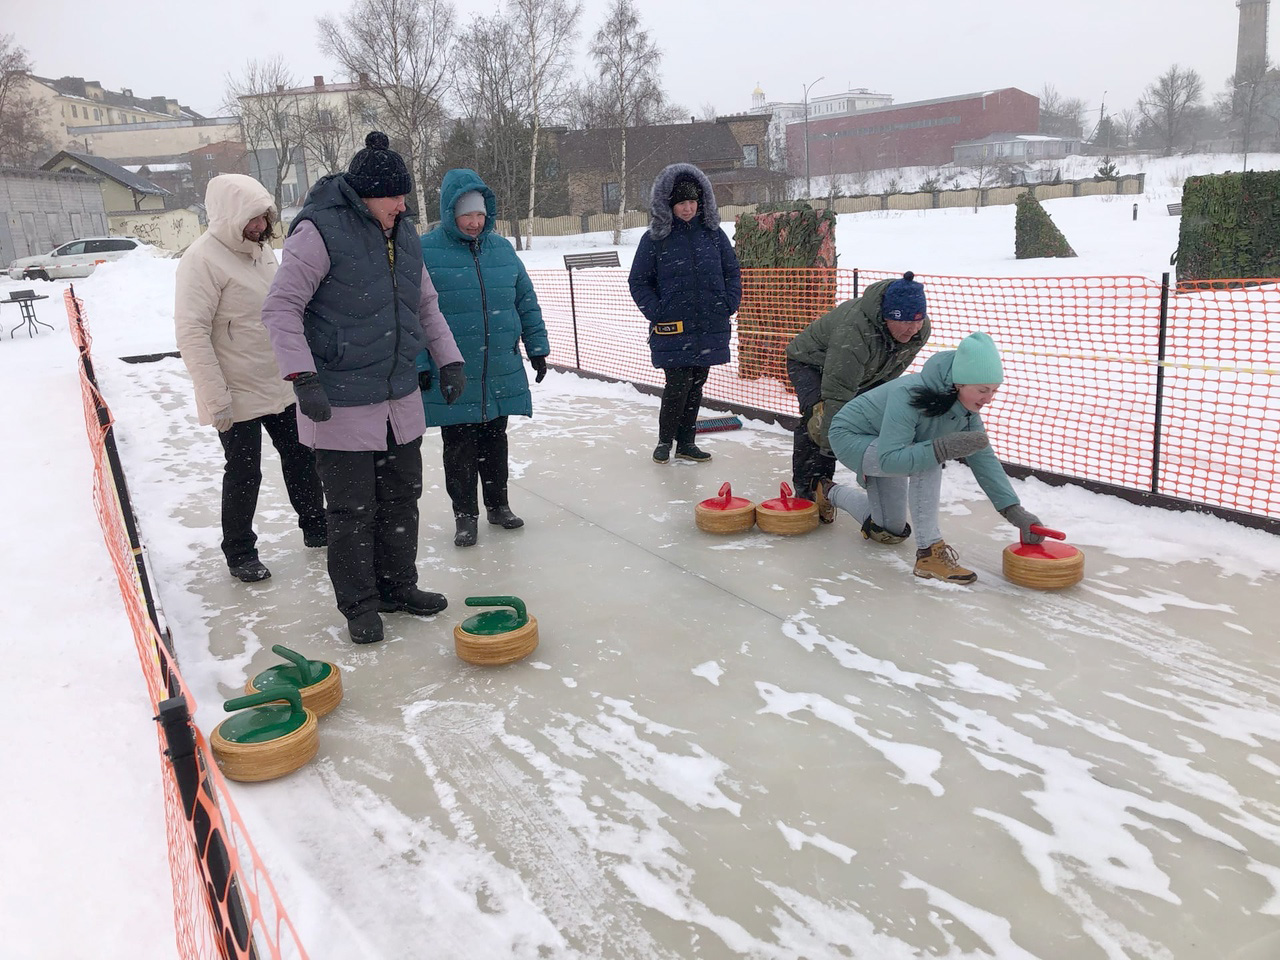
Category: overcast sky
<point>714,51</point>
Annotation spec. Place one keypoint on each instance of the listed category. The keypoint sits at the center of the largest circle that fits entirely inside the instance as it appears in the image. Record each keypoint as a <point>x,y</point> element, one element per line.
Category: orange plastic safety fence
<point>225,906</point>
<point>1082,360</point>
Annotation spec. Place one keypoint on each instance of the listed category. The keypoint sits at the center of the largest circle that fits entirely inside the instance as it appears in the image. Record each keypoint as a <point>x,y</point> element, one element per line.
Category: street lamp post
<point>807,87</point>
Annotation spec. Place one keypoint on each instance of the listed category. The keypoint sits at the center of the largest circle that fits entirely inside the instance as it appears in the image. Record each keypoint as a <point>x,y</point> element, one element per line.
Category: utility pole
<point>807,87</point>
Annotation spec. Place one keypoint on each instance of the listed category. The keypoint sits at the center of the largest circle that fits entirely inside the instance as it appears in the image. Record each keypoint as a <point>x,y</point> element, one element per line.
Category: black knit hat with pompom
<point>378,171</point>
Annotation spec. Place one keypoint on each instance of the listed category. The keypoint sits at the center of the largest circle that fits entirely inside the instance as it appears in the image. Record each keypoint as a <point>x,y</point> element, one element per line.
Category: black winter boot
<point>250,571</point>
<point>687,451</point>
<point>365,627</point>
<point>467,531</point>
<point>412,600</point>
<point>503,517</point>
<point>662,453</point>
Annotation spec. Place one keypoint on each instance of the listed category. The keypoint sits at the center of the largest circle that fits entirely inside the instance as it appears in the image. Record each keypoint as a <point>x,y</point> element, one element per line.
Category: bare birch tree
<point>1167,104</point>
<point>547,30</point>
<point>23,135</point>
<point>627,63</point>
<point>493,89</point>
<point>1243,103</point>
<point>402,49</point>
<point>331,134</point>
<point>269,122</point>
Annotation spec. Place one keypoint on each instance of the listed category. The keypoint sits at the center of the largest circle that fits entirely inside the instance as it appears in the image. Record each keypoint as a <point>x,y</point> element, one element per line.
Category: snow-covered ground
<point>737,748</point>
<point>1164,179</point>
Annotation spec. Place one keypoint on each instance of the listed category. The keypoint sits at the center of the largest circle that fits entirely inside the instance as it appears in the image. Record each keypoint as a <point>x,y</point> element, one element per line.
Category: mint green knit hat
<point>977,361</point>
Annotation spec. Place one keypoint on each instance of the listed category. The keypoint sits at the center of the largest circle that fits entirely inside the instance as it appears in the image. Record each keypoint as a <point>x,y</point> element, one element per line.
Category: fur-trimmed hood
<point>660,216</point>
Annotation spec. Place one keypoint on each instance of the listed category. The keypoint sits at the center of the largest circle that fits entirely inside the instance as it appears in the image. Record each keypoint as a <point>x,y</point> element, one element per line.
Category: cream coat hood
<point>231,200</point>
<point>222,282</point>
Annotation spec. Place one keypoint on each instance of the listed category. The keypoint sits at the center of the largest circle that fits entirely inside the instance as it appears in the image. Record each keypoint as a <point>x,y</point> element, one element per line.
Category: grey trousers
<point>887,498</point>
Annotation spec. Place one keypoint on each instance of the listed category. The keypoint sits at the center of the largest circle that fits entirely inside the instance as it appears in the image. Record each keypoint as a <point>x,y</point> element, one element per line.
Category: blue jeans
<point>887,498</point>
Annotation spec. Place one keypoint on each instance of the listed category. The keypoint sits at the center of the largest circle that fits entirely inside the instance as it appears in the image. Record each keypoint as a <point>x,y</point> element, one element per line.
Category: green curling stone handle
<point>273,695</point>
<point>309,671</point>
<point>496,621</point>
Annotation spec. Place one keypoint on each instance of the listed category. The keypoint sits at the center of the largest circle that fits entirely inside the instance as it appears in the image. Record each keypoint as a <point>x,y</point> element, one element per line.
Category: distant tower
<point>757,98</point>
<point>1251,47</point>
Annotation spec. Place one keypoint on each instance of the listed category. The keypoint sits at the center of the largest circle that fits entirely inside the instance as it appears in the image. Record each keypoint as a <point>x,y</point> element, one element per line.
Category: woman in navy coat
<point>685,280</point>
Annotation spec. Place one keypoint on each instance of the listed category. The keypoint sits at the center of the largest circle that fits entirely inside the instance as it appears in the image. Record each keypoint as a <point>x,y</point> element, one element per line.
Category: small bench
<point>581,261</point>
<point>1175,209</point>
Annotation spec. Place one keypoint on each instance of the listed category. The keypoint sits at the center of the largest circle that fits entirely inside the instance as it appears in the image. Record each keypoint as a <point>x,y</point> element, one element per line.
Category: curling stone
<point>725,513</point>
<point>268,738</point>
<point>1043,566</point>
<point>318,681</point>
<point>787,514</point>
<point>496,636</point>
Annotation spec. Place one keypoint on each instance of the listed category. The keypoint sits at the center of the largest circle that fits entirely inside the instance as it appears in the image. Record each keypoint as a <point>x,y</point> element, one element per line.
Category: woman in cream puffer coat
<point>222,281</point>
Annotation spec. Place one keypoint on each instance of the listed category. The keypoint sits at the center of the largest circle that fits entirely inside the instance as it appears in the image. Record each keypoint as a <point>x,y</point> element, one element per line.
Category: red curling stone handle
<point>1047,532</point>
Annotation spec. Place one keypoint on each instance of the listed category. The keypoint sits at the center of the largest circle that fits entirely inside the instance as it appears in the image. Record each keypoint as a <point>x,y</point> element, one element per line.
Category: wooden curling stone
<point>318,681</point>
<point>786,514</point>
<point>496,637</point>
<point>273,734</point>
<point>725,513</point>
<point>1043,566</point>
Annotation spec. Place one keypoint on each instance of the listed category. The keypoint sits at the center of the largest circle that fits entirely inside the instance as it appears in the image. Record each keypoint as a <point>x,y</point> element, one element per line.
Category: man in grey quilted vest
<point>348,312</point>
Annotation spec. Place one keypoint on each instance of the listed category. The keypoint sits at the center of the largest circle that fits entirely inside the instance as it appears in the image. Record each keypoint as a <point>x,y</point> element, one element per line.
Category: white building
<point>828,105</point>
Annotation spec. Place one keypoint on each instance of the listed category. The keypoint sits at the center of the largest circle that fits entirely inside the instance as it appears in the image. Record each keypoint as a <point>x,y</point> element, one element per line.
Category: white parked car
<point>74,259</point>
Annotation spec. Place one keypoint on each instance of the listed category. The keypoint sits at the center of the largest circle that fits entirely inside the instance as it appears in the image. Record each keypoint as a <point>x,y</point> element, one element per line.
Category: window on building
<point>609,196</point>
<point>750,155</point>
<point>97,114</point>
<point>208,156</point>
<point>74,111</point>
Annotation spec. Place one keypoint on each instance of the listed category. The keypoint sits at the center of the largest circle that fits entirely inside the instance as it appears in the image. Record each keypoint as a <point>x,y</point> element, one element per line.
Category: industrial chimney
<point>1251,47</point>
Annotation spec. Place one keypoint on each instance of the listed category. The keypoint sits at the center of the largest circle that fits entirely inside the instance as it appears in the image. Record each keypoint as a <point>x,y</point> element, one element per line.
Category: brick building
<point>731,151</point>
<point>907,134</point>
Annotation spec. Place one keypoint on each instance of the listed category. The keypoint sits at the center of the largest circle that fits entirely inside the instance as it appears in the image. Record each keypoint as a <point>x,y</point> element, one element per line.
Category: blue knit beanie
<point>977,361</point>
<point>904,300</point>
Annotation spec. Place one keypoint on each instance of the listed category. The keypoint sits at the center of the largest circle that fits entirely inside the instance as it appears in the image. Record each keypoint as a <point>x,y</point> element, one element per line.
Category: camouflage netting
<point>1035,233</point>
<point>791,240</point>
<point>1230,227</point>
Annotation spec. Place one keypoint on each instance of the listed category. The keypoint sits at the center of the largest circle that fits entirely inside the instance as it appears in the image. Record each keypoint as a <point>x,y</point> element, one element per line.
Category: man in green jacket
<point>857,346</point>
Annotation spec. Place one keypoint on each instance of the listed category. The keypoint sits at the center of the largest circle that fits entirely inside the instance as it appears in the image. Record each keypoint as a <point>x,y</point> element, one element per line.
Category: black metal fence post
<point>573,311</point>
<point>211,846</point>
<point>855,283</point>
<point>1164,331</point>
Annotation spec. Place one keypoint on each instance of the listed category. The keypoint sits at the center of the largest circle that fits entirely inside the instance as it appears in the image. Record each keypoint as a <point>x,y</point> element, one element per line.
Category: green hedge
<point>1035,233</point>
<point>1230,227</point>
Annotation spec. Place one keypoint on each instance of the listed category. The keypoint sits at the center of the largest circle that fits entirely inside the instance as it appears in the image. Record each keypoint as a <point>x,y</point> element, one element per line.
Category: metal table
<point>24,299</point>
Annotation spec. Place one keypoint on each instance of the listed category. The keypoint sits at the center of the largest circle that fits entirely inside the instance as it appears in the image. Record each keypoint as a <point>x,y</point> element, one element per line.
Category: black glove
<point>539,365</point>
<point>312,400</point>
<point>424,380</point>
<point>956,445</point>
<point>453,380</point>
<point>1023,519</point>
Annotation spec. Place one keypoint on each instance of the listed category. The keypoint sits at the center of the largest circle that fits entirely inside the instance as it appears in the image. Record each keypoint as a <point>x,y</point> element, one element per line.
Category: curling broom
<point>718,424</point>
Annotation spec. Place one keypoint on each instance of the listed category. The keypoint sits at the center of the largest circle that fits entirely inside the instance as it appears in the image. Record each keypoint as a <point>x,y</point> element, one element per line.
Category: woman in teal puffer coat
<point>896,438</point>
<point>488,300</point>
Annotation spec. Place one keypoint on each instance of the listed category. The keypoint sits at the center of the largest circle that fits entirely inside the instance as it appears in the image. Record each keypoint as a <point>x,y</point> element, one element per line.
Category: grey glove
<point>962,444</point>
<point>453,380</point>
<point>1023,519</point>
<point>222,420</point>
<point>312,400</point>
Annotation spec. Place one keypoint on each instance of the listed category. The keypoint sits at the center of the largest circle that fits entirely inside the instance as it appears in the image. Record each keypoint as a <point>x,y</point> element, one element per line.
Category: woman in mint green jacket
<point>488,300</point>
<point>896,437</point>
